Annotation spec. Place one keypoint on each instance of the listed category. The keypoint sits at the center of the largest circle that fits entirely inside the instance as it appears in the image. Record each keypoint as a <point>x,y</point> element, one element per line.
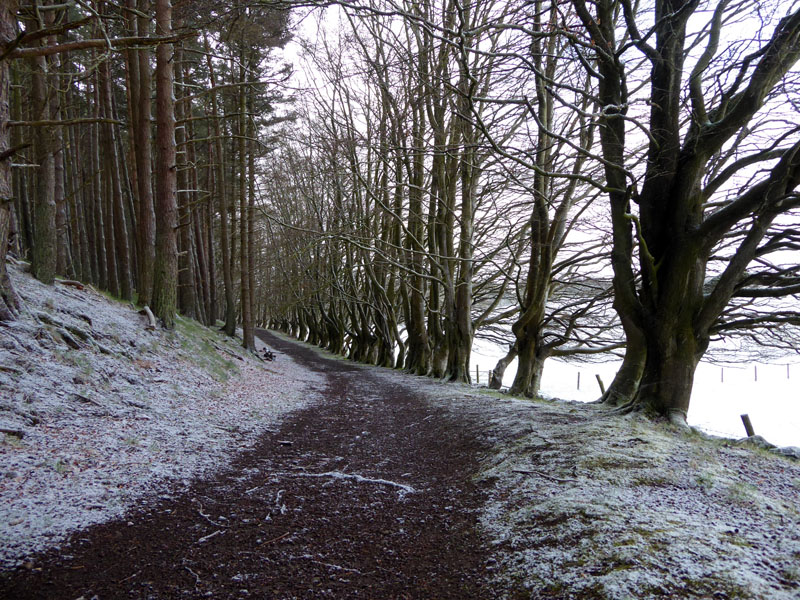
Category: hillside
<point>99,412</point>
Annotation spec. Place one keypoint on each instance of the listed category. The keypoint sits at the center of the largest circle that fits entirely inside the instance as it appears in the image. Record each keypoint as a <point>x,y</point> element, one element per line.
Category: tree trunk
<point>496,379</point>
<point>186,276</point>
<point>9,302</point>
<point>20,187</point>
<point>221,192</point>
<point>116,213</point>
<point>44,208</point>
<point>626,382</point>
<point>419,351</point>
<point>244,251</point>
<point>251,213</point>
<point>63,255</point>
<point>531,365</point>
<point>672,356</point>
<point>145,212</point>
<point>95,209</point>
<point>208,241</point>
<point>166,260</point>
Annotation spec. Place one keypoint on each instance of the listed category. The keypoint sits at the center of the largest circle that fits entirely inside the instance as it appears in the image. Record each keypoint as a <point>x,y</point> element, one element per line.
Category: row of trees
<point>568,176</point>
<point>131,144</point>
<point>407,229</point>
<point>470,165</point>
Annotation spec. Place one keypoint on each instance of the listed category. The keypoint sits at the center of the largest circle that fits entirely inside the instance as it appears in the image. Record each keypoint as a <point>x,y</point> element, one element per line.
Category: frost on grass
<point>111,413</point>
<point>583,504</point>
<point>593,505</point>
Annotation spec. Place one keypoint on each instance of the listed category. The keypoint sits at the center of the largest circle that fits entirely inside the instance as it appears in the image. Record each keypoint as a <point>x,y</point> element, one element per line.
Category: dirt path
<point>364,495</point>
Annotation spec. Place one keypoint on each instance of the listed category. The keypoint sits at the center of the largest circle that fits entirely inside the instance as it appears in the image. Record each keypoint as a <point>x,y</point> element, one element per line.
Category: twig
<point>205,538</point>
<point>358,478</point>
<point>204,515</point>
<point>336,567</point>
<point>129,577</point>
<point>279,538</point>
<point>545,475</point>
<point>196,576</point>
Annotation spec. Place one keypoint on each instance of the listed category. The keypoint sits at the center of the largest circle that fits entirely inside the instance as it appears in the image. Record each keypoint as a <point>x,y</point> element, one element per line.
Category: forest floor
<point>359,482</point>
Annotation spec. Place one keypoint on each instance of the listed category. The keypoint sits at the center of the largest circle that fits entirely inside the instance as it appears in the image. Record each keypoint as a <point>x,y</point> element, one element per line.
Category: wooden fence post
<point>748,426</point>
<point>600,383</point>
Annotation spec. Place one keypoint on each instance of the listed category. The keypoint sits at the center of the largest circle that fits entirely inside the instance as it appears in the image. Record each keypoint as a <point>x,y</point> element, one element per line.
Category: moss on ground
<point>200,345</point>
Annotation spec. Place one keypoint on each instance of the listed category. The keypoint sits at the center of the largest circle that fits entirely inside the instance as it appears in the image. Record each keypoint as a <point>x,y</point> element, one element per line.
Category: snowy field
<point>719,396</point>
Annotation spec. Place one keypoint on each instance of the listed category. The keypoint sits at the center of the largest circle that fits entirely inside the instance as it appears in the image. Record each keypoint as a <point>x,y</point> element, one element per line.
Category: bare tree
<point>673,211</point>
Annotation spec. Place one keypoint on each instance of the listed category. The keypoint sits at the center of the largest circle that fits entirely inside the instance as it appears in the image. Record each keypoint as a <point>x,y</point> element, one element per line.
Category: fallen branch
<point>18,433</point>
<point>545,475</point>
<point>196,576</point>
<point>204,515</point>
<point>71,282</point>
<point>81,398</point>
<point>357,478</point>
<point>334,567</point>
<point>221,349</point>
<point>151,320</point>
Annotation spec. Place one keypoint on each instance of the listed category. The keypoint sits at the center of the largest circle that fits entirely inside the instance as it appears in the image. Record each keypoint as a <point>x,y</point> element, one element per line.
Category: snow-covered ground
<point>579,503</point>
<point>719,396</point>
<point>112,413</point>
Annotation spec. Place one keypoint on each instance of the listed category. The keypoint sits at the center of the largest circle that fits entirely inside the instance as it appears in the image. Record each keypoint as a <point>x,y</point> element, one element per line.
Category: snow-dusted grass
<point>610,507</point>
<point>127,415</point>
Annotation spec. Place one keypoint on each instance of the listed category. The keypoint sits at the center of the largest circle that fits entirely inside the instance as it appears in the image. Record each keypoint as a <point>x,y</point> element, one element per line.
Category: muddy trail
<point>366,494</point>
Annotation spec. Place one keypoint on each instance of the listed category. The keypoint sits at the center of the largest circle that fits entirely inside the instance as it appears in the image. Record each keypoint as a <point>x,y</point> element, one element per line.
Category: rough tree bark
<point>221,193</point>
<point>145,213</point>
<point>44,207</point>
<point>9,302</point>
<point>165,276</point>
